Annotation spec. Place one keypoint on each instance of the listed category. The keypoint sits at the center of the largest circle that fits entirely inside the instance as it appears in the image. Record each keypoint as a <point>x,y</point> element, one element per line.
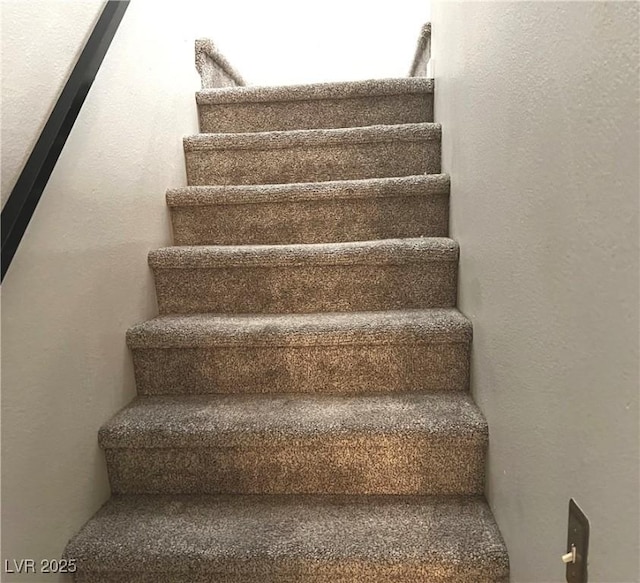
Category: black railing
<point>26,193</point>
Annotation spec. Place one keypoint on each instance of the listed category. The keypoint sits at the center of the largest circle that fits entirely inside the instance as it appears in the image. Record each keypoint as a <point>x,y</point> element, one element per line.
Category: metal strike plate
<point>578,539</point>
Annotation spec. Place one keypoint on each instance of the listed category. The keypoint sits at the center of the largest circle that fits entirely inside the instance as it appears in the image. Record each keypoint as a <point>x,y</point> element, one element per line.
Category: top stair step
<point>316,106</point>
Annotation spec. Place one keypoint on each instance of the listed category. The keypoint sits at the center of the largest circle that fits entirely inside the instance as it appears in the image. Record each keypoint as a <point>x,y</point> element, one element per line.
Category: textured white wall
<point>40,44</point>
<point>80,278</point>
<point>539,106</point>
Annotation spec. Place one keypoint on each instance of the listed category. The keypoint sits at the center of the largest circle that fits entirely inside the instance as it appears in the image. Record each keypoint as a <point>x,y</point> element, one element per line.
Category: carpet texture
<point>320,277</point>
<point>313,155</point>
<point>303,413</point>
<point>416,443</point>
<point>346,352</point>
<point>321,105</point>
<point>291,539</point>
<point>315,212</point>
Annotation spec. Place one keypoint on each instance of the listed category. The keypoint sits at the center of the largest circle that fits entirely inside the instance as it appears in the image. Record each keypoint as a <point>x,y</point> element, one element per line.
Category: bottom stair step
<point>287,539</point>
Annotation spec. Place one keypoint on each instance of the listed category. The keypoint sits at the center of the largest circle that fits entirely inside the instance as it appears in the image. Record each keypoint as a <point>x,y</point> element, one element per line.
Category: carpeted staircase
<point>303,410</point>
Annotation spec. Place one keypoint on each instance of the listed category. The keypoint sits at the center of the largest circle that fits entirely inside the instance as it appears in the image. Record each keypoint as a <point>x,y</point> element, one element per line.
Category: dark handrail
<point>26,193</point>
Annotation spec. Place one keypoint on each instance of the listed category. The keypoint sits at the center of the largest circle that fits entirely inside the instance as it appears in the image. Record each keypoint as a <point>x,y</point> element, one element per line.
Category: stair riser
<point>307,369</point>
<point>315,114</point>
<point>327,288</point>
<point>329,221</point>
<point>258,539</point>
<point>315,163</point>
<point>300,573</point>
<point>369,464</point>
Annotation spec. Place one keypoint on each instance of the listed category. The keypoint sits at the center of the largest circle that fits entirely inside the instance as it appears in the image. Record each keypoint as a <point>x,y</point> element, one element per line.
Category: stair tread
<point>227,420</point>
<point>292,535</point>
<point>278,139</point>
<point>420,185</point>
<point>318,329</point>
<point>379,252</point>
<point>311,91</point>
